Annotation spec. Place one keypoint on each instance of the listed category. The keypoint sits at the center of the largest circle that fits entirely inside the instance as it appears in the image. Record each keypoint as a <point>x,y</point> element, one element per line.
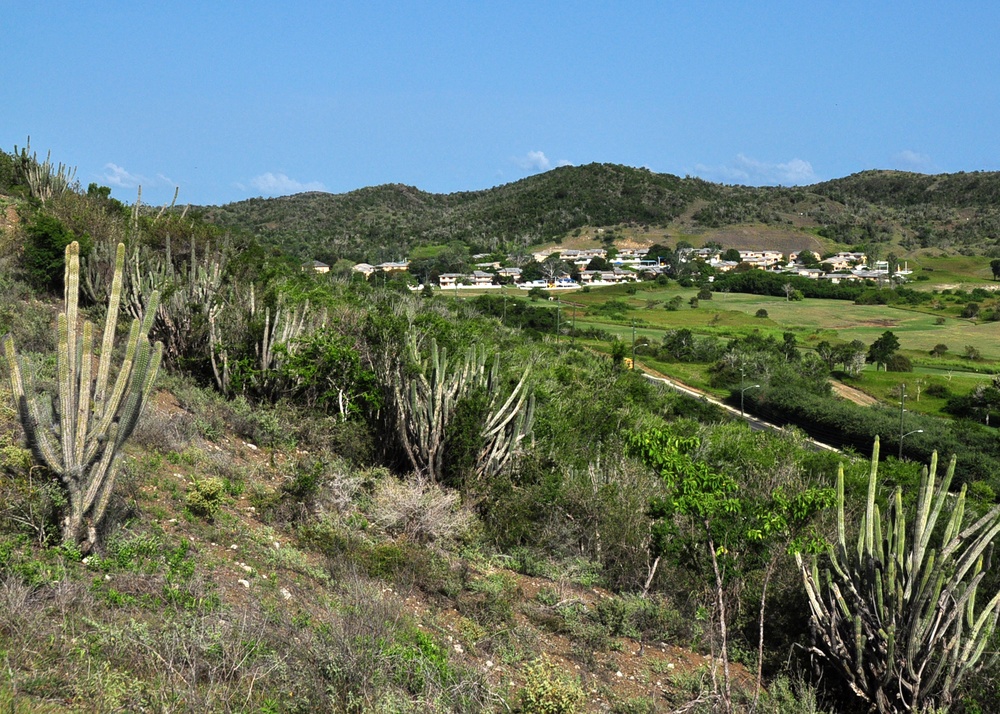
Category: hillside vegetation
<point>956,212</point>
<point>345,496</point>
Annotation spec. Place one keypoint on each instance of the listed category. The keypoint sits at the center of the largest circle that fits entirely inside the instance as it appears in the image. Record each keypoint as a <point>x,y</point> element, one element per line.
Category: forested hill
<point>950,211</point>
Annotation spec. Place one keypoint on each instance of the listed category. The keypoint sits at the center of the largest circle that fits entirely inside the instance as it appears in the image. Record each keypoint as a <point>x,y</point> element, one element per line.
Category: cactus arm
<point>110,327</point>
<point>83,395</point>
<point>870,504</point>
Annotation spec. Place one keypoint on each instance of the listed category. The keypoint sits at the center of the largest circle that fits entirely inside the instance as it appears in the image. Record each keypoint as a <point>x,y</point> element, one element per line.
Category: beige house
<point>317,266</point>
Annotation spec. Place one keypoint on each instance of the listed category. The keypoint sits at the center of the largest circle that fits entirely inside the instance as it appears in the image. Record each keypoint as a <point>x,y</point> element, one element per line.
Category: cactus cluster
<point>426,399</point>
<point>79,438</point>
<point>896,615</point>
<point>278,335</point>
<point>44,180</point>
<point>192,295</point>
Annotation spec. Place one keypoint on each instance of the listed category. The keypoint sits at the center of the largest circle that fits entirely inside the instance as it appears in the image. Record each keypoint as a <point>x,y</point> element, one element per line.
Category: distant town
<point>571,269</point>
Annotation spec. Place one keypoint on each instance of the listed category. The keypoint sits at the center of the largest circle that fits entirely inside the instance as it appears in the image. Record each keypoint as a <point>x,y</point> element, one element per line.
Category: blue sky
<point>231,100</point>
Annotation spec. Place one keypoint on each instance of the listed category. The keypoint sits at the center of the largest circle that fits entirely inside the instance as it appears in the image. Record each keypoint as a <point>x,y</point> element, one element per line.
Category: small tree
<point>724,518</point>
<point>995,267</point>
<point>80,439</point>
<point>619,351</point>
<point>808,259</point>
<point>883,348</point>
<point>971,310</point>
<point>44,250</point>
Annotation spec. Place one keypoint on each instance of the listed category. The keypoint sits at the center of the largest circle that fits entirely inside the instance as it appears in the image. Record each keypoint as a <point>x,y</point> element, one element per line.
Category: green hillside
<point>955,213</point>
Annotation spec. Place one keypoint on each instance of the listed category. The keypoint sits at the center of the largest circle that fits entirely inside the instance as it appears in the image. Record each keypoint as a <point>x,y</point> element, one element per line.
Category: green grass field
<point>951,271</point>
<point>811,320</point>
<point>627,311</point>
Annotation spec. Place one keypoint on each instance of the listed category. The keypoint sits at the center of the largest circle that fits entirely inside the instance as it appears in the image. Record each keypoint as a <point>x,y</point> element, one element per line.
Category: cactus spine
<point>81,440</point>
<point>897,617</point>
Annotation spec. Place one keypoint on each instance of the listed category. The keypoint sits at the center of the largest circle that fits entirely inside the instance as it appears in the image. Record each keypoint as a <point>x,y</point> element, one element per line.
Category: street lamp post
<point>903,436</point>
<point>742,392</point>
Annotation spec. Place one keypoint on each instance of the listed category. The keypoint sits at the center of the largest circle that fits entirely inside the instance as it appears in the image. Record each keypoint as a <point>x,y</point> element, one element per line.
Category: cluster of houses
<point>621,268</point>
<point>631,264</point>
<point>844,266</point>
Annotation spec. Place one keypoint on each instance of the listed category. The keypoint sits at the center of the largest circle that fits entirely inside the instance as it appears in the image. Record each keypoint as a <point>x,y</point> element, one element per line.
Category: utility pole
<point>557,325</point>
<point>633,344</point>
<point>902,398</point>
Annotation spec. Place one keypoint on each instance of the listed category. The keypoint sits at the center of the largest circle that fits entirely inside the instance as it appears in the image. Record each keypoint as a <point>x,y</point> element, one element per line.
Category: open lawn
<point>884,386</point>
<point>627,311</point>
<point>811,320</point>
<point>953,271</point>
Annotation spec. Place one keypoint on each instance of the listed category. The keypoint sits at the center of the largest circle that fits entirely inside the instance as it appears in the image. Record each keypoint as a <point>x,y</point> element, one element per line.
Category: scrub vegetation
<point>338,494</point>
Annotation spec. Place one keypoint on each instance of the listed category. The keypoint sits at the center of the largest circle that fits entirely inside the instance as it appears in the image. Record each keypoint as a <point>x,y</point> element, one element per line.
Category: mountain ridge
<point>949,211</point>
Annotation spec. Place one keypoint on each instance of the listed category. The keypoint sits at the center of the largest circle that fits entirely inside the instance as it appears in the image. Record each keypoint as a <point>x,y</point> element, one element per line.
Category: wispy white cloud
<point>115,175</point>
<point>538,161</point>
<point>750,171</point>
<point>909,160</point>
<point>272,184</point>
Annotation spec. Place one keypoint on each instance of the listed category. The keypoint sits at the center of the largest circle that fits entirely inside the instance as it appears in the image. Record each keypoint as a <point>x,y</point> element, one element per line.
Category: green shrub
<point>761,313</point>
<point>898,363</point>
<point>204,497</point>
<point>938,390</point>
<point>45,250</point>
<point>547,690</point>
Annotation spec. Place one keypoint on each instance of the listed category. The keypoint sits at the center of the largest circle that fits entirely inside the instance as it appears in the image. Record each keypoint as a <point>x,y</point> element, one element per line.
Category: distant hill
<point>955,212</point>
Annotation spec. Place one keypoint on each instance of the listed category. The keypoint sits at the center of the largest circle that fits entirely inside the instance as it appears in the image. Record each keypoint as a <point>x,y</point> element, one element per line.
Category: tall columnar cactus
<point>44,180</point>
<point>278,333</point>
<point>80,438</point>
<point>896,615</point>
<point>426,399</point>
<point>192,295</point>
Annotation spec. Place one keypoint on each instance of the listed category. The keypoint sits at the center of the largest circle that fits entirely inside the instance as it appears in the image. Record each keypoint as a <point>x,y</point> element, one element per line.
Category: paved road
<point>752,421</point>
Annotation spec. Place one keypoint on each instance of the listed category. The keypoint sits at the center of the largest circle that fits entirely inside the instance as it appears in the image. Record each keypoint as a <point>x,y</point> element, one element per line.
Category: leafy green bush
<point>45,250</point>
<point>898,363</point>
<point>547,690</point>
<point>205,497</point>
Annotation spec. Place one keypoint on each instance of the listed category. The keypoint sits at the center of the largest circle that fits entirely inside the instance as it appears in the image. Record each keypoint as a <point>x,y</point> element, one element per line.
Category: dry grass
<point>420,511</point>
